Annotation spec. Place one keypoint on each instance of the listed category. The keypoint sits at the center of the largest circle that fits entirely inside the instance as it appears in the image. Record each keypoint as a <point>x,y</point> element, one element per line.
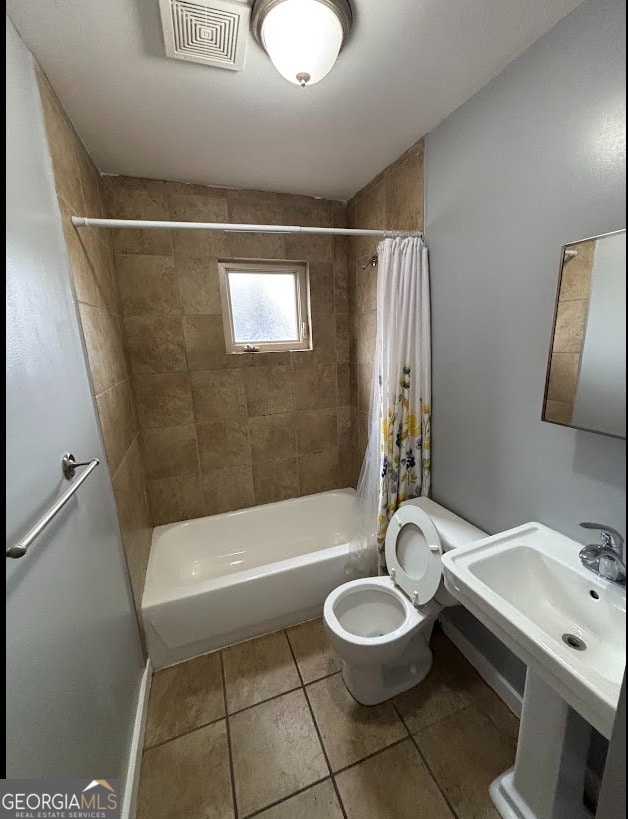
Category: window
<point>265,306</point>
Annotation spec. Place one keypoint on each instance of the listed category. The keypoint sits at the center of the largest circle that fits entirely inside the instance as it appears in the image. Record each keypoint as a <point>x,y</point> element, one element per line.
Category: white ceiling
<point>408,64</point>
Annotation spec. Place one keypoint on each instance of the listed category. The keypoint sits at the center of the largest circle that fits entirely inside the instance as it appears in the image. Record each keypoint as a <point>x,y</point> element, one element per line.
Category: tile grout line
<point>228,728</point>
<point>316,728</point>
<point>371,755</point>
<point>285,798</point>
<point>423,759</point>
<point>184,733</point>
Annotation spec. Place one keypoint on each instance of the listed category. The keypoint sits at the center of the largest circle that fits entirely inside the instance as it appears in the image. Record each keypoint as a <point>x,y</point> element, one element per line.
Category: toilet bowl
<point>380,627</point>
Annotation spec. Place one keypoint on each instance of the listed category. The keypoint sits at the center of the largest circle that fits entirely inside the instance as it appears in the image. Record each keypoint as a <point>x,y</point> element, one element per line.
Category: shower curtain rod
<point>87,221</point>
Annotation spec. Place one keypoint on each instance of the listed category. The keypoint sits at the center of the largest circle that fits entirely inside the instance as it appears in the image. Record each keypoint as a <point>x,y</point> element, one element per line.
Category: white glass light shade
<point>303,39</point>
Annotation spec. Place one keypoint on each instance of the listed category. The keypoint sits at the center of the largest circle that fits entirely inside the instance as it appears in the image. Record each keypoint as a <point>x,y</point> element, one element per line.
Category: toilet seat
<point>423,549</point>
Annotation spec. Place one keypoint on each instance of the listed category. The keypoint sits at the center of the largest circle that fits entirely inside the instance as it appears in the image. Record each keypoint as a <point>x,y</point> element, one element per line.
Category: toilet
<point>380,627</point>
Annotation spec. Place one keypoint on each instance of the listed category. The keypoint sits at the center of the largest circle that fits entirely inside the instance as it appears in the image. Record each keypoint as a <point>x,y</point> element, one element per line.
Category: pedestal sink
<point>568,626</point>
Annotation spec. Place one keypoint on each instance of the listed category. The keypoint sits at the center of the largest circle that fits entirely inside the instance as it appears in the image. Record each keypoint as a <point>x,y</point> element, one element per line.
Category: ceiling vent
<point>212,32</point>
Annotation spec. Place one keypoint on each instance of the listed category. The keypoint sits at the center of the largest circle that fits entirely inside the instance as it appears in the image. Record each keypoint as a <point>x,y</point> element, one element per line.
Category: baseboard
<point>129,802</point>
<point>491,676</point>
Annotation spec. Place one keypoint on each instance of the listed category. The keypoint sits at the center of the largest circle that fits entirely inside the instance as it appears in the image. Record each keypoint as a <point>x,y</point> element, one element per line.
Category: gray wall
<point>73,653</point>
<point>536,159</point>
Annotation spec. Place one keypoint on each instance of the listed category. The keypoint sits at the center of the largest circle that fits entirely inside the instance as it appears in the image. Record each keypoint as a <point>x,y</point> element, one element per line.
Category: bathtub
<point>222,579</point>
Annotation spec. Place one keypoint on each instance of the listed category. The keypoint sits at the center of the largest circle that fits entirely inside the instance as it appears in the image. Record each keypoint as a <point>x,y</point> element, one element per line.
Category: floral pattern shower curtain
<point>397,462</point>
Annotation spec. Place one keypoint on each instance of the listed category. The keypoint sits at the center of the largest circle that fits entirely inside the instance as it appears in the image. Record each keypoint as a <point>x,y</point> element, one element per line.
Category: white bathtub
<point>218,580</point>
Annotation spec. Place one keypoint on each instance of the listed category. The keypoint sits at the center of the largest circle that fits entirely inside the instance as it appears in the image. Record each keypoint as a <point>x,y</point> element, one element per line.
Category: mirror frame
<point>563,250</point>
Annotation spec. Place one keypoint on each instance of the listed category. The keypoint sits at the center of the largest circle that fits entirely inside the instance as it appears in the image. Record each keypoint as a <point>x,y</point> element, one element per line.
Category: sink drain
<point>574,642</point>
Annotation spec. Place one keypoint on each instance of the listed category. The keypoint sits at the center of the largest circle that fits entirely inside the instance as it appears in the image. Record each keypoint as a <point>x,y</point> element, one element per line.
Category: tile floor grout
<point>286,798</point>
<point>228,730</point>
<point>332,775</point>
<point>424,760</point>
<point>316,728</point>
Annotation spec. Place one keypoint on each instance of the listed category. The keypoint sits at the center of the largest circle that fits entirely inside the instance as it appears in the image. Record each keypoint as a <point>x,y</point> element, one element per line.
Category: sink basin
<point>527,585</point>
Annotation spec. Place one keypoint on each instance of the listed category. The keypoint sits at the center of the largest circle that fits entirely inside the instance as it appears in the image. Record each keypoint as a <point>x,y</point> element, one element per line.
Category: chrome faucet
<point>607,557</point>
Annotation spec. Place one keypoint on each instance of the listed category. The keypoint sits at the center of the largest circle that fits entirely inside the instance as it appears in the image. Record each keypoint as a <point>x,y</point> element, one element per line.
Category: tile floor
<point>267,729</point>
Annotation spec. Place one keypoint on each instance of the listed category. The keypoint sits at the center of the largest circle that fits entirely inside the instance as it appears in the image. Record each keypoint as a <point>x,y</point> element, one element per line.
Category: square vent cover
<point>212,32</point>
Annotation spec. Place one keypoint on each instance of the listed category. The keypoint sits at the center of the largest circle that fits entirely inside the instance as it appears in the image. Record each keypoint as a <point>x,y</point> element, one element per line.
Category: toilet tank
<point>453,531</point>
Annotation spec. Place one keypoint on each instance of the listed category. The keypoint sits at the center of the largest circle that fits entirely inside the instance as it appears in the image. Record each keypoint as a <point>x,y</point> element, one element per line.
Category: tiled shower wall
<point>189,430</point>
<point>571,317</point>
<point>394,200</point>
<point>221,432</point>
<point>79,191</point>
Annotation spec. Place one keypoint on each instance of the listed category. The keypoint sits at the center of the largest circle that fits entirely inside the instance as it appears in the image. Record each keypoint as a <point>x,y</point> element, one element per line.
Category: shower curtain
<point>396,465</point>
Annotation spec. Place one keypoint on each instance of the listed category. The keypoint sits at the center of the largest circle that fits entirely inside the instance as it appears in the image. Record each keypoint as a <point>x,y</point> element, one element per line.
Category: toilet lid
<point>413,553</point>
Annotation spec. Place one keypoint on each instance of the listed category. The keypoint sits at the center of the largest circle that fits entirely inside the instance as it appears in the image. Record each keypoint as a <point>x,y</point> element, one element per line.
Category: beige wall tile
<point>184,697</point>
<point>128,197</point>
<point>305,210</point>
<point>275,480</point>
<point>570,322</point>
<point>223,444</point>
<point>404,194</point>
<point>367,329</point>
<point>323,341</point>
<point>199,285</point>
<point>347,390</point>
<point>576,273</point>
<point>227,489</point>
<point>92,266</point>
<point>195,203</point>
<point>80,192</point>
<point>365,288</point>
<point>310,248</point>
<point>147,284</point>
<point>321,276</point>
<point>163,400</point>
<point>172,785</point>
<point>317,431</point>
<point>64,148</point>
<point>365,385</point>
<point>205,344</point>
<point>343,338</point>
<point>155,344</point>
<point>170,451</point>
<point>272,437</point>
<point>269,390</point>
<point>134,517</point>
<point>218,395</point>
<point>275,751</point>
<point>118,422</point>
<point>177,498</point>
<point>250,390</point>
<point>315,386</point>
<point>370,215</point>
<point>255,211</point>
<point>256,246</point>
<point>103,340</point>
<point>318,473</point>
<point>91,186</point>
<point>559,412</point>
<point>341,274</point>
<point>563,377</point>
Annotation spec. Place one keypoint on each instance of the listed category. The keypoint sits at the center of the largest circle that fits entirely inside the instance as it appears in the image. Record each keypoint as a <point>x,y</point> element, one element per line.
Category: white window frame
<point>301,274</point>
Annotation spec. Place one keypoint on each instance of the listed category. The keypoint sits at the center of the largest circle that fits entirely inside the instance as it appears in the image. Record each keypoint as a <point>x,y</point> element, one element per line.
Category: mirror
<point>586,374</point>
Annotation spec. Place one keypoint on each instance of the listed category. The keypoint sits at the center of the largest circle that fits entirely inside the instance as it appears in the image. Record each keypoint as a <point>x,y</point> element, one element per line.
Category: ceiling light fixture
<point>302,37</point>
